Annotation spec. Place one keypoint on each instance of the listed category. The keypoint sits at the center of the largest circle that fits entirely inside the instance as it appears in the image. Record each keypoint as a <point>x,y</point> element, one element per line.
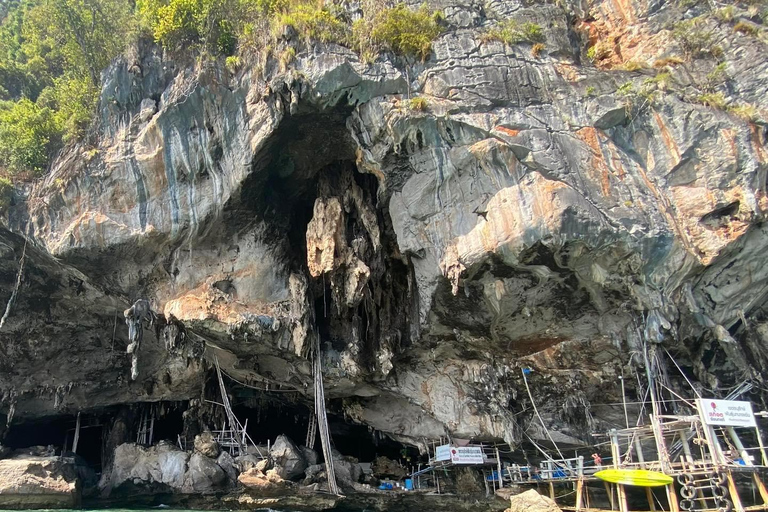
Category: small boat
<point>639,477</point>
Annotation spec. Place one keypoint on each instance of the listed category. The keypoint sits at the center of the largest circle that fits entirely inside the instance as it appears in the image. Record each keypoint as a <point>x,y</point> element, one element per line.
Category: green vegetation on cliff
<point>52,52</point>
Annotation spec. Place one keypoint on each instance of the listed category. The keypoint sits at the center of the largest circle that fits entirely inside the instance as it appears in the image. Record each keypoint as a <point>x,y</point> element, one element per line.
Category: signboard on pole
<point>467,455</point>
<point>730,413</point>
<point>443,452</point>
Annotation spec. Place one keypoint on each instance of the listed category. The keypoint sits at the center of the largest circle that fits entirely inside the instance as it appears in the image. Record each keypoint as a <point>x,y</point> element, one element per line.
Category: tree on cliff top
<point>51,56</point>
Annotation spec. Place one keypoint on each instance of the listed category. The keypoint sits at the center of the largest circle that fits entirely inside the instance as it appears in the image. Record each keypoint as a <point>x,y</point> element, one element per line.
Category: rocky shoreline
<point>285,477</point>
<point>311,502</point>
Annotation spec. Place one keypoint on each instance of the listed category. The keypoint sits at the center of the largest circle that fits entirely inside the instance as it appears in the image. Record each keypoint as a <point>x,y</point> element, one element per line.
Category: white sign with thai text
<point>443,452</point>
<point>467,455</point>
<point>730,413</point>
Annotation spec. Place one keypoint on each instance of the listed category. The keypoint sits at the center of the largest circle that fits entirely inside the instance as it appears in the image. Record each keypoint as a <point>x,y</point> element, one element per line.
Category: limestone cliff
<point>543,211</point>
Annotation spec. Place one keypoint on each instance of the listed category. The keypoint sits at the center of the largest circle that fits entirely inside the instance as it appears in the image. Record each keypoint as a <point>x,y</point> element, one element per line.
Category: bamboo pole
<point>616,455</point>
<point>609,492</point>
<point>579,493</point>
<point>734,492</point>
<point>77,434</point>
<point>762,448</point>
<point>761,488</point>
<point>739,446</point>
<point>151,427</point>
<point>672,498</point>
<point>641,460</point>
<point>498,463</point>
<point>322,423</point>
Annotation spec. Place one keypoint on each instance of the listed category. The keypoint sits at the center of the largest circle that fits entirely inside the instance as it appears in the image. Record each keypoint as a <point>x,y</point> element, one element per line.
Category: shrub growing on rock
<point>511,32</point>
<point>399,29</point>
<point>6,191</point>
<point>29,134</point>
<point>312,21</point>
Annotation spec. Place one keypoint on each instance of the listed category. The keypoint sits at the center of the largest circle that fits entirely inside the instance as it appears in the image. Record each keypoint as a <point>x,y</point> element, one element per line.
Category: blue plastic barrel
<point>409,484</point>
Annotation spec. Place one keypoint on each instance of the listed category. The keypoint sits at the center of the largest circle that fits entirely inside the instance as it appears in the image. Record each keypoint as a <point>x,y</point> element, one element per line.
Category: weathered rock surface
<point>543,213</point>
<point>165,468</point>
<point>38,482</point>
<point>288,460</point>
<point>532,501</point>
<point>207,445</point>
<point>264,483</point>
<point>203,475</point>
<point>384,467</point>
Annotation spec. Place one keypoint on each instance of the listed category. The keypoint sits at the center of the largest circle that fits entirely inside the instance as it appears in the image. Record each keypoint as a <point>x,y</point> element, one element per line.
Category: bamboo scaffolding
<point>322,422</point>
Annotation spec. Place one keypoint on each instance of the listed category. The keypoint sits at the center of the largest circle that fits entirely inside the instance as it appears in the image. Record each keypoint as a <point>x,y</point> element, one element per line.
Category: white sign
<point>443,452</point>
<point>726,412</point>
<point>467,455</point>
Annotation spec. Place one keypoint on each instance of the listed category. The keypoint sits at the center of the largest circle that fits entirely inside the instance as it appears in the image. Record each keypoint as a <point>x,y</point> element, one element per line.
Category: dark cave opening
<point>270,416</point>
<point>59,432</point>
<point>169,421</point>
<point>364,444</point>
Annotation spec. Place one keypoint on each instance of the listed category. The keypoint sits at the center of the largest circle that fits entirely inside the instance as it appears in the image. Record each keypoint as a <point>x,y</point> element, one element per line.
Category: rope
<point>681,372</point>
<point>536,410</point>
<point>322,422</point>
<point>12,299</point>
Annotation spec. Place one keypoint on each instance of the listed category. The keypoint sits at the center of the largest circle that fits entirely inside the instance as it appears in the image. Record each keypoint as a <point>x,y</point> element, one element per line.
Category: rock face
<point>38,482</point>
<point>545,213</point>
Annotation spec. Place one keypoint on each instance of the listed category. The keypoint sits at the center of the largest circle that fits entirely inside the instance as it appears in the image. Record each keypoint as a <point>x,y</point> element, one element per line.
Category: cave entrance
<point>56,435</point>
<point>365,445</point>
<point>272,414</point>
<point>161,421</point>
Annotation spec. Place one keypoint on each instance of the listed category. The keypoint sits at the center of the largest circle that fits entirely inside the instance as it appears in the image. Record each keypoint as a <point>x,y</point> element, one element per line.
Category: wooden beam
<point>151,428</point>
<point>616,455</point>
<point>674,506</point>
<point>498,461</point>
<point>579,491</point>
<point>734,492</point>
<point>761,488</point>
<point>77,434</point>
<point>609,492</point>
<point>641,460</point>
<point>762,448</point>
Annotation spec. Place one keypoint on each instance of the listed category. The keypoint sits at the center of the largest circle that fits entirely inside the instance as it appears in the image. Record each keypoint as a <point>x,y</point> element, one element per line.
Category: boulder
<point>384,467</point>
<point>270,482</point>
<point>263,465</point>
<point>246,462</point>
<point>288,460</point>
<point>141,467</point>
<point>207,445</point>
<point>508,491</point>
<point>228,464</point>
<point>348,470</point>
<point>314,473</point>
<point>310,455</point>
<point>4,451</point>
<point>203,475</point>
<point>38,482</point>
<point>532,501</point>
